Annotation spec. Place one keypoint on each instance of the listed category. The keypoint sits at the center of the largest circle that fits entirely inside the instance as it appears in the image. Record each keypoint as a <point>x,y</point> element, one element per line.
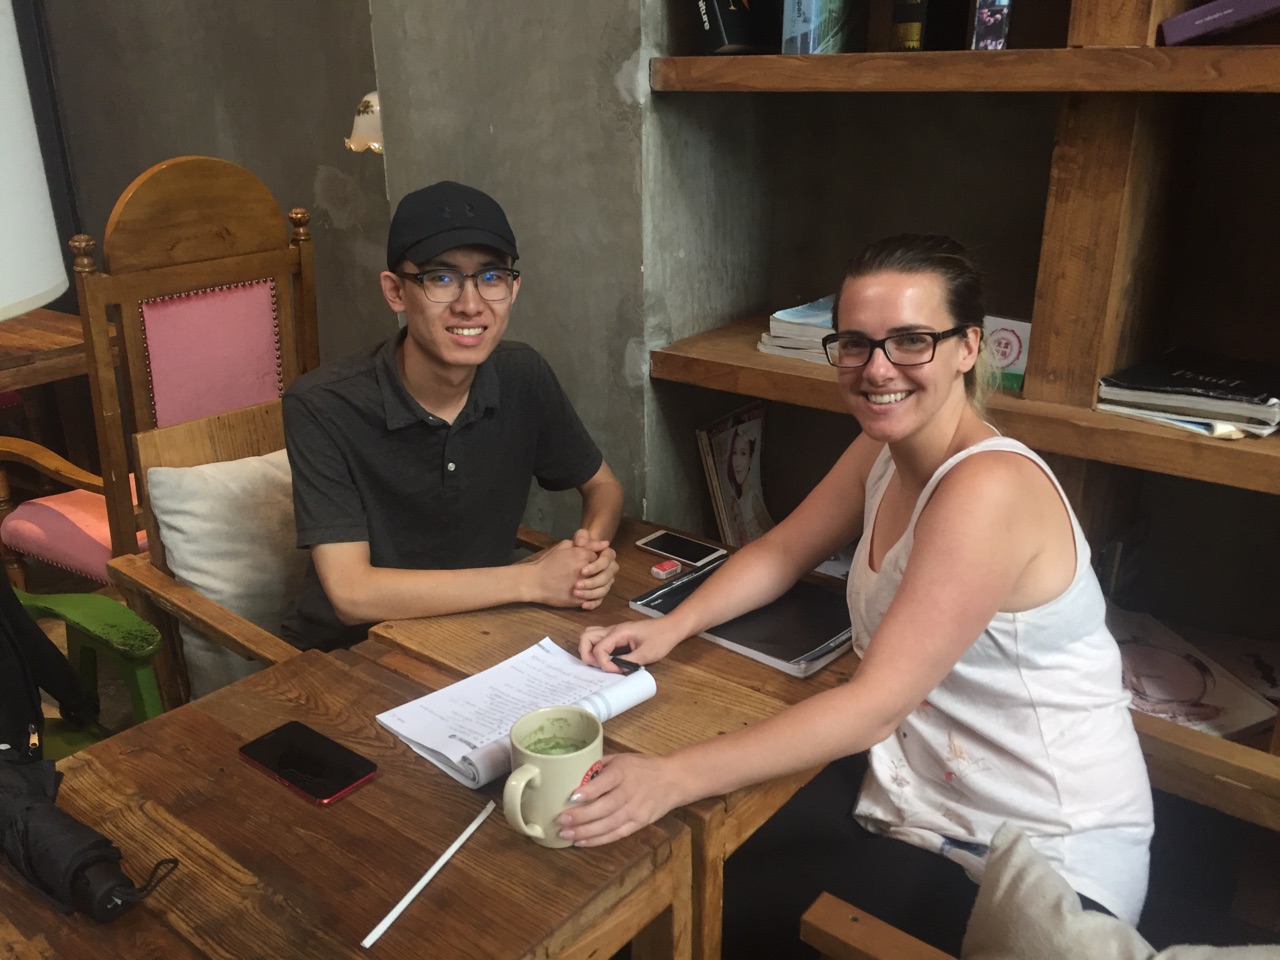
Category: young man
<point>411,464</point>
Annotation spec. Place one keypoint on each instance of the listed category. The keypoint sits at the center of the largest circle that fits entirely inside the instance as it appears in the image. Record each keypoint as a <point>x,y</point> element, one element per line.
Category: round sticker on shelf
<point>1005,346</point>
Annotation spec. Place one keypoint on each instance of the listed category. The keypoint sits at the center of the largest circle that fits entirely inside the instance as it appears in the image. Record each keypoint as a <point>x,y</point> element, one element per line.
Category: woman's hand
<point>631,791</point>
<point>646,640</point>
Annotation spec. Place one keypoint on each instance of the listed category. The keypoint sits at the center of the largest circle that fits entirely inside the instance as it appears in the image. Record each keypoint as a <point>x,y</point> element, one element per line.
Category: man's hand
<point>598,575</point>
<point>555,574</point>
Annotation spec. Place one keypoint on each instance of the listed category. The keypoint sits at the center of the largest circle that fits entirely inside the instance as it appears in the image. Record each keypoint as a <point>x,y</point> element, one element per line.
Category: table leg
<point>706,822</point>
<point>670,933</point>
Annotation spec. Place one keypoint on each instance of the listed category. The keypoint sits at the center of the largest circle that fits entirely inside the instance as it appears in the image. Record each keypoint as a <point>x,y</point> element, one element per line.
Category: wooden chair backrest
<point>248,432</point>
<point>188,225</point>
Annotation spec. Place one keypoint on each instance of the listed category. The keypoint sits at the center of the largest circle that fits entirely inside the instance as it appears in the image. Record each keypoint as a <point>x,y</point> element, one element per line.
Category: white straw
<point>381,928</point>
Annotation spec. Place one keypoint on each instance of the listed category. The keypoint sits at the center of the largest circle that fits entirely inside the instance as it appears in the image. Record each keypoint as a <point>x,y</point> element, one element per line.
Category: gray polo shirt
<point>370,464</point>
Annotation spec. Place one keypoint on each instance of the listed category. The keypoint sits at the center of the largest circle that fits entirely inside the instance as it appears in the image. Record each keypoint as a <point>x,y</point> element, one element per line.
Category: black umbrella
<point>70,864</point>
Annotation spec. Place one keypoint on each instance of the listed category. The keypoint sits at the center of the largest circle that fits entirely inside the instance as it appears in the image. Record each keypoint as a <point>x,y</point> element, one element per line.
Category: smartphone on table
<point>319,768</point>
<point>677,547</point>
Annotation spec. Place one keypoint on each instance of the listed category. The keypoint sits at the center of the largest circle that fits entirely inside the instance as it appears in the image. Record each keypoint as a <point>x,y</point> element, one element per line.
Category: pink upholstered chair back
<point>211,351</point>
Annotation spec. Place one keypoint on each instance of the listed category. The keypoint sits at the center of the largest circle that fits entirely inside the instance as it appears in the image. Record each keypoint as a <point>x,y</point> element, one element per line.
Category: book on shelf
<point>1205,427</point>
<point>1169,677</point>
<point>789,347</point>
<point>990,25</point>
<point>906,25</point>
<point>727,27</point>
<point>1007,343</point>
<point>464,728</point>
<point>1196,383</point>
<point>799,633</point>
<point>824,26</point>
<point>1208,22</point>
<point>809,321</point>
<point>731,449</point>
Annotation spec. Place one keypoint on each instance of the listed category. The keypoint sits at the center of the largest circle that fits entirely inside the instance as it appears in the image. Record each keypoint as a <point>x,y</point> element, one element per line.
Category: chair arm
<point>49,463</point>
<point>134,572</point>
<point>841,932</point>
<point>535,540</point>
<point>108,620</point>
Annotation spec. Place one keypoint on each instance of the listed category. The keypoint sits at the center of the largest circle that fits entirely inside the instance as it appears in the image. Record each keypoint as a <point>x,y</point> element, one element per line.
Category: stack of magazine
<point>1170,677</point>
<point>1198,391</point>
<point>798,331</point>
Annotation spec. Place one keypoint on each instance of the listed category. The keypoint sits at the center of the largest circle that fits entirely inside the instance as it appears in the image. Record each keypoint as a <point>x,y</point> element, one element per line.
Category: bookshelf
<point>726,358</point>
<point>1254,69</point>
<point>1104,254</point>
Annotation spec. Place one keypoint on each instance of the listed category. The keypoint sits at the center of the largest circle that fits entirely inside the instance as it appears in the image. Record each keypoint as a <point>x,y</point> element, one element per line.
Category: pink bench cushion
<point>212,350</point>
<point>67,529</point>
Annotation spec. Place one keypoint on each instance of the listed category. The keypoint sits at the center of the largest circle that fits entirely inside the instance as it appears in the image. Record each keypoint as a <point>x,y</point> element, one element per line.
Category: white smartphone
<point>673,545</point>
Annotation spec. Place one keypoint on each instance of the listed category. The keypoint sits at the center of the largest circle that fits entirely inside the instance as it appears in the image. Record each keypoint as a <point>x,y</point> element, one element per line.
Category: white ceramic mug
<point>554,751</point>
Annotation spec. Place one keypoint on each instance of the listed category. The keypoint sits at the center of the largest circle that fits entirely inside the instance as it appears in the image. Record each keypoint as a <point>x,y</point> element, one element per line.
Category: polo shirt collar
<point>402,410</point>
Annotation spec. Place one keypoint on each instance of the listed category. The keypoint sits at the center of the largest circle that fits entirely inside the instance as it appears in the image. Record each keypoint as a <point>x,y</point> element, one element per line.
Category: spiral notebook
<point>799,633</point>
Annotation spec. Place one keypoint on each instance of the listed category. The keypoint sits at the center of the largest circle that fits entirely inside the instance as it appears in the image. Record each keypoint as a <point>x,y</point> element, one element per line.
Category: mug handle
<point>513,793</point>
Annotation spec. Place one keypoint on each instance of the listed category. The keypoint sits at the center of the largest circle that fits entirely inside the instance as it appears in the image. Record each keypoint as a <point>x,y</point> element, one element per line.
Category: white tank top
<point>1031,726</point>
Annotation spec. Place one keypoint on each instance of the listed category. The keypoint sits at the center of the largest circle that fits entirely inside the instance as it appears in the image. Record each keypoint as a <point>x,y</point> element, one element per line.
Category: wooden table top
<point>702,690</point>
<point>40,346</point>
<point>266,873</point>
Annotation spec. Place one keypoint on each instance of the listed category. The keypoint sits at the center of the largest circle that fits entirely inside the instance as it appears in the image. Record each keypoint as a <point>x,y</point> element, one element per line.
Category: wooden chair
<point>206,301</point>
<point>841,932</point>
<point>147,578</point>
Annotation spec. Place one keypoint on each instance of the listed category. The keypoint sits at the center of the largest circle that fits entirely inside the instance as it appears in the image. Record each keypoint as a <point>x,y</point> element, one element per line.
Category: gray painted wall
<point>261,85</point>
<point>541,110</point>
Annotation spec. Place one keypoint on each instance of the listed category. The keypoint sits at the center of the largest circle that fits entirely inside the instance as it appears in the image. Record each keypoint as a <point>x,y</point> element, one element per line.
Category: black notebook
<point>1197,383</point>
<point>799,633</point>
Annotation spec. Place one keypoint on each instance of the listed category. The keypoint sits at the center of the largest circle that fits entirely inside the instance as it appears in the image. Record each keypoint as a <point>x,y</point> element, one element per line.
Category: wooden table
<point>41,346</point>
<point>45,347</point>
<point>266,873</point>
<point>703,690</point>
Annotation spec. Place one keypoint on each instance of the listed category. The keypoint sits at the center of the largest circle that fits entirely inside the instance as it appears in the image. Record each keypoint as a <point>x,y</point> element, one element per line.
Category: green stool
<point>99,625</point>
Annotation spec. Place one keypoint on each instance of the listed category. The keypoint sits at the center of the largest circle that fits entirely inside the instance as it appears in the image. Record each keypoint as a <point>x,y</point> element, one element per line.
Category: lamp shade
<point>366,130</point>
<point>31,269</point>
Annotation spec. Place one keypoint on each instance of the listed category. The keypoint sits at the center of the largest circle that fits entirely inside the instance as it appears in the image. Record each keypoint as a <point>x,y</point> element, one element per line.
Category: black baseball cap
<point>445,215</point>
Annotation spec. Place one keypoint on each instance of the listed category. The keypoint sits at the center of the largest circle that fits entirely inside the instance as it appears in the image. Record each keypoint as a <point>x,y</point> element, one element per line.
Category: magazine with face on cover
<point>731,449</point>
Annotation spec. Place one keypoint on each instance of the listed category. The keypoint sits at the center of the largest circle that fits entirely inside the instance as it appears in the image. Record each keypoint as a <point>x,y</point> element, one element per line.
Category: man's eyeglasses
<point>445,286</point>
<point>902,349</point>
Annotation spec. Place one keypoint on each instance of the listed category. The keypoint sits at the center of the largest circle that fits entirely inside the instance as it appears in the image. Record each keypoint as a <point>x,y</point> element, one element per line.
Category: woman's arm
<point>973,542</point>
<point>760,572</point>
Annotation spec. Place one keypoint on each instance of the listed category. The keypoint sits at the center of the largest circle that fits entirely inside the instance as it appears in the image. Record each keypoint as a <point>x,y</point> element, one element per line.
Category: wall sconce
<point>31,268</point>
<point>366,129</point>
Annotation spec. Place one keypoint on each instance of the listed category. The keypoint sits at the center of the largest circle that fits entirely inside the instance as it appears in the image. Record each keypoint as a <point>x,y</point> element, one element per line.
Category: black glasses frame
<point>421,277</point>
<point>873,345</point>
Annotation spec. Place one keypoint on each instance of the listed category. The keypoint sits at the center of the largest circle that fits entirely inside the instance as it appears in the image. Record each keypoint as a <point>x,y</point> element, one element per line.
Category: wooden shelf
<point>726,359</point>
<point>1233,69</point>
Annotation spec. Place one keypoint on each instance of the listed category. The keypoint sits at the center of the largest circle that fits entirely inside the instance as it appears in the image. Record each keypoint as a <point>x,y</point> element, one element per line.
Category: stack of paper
<point>464,729</point>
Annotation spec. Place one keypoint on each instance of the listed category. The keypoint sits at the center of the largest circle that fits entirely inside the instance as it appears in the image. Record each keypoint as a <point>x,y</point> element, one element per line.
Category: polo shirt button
<point>451,467</point>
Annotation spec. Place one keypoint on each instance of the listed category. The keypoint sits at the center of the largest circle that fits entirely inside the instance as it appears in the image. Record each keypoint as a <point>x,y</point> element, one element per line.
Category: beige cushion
<point>1025,909</point>
<point>228,532</point>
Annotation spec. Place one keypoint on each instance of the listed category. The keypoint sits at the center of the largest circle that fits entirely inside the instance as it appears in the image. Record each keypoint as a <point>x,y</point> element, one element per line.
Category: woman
<point>748,516</point>
<point>989,688</point>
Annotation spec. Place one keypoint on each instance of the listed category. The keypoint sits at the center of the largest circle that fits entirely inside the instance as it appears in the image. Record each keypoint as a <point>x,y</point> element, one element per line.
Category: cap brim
<point>432,247</point>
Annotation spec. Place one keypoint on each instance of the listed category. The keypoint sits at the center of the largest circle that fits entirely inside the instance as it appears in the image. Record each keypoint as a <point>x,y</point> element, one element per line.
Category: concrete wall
<point>538,105</point>
<point>266,86</point>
